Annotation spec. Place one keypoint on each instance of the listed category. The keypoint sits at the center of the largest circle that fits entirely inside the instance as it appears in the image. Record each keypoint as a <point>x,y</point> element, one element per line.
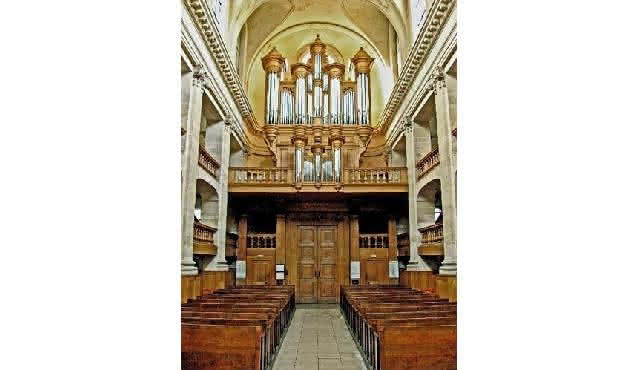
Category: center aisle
<point>318,338</point>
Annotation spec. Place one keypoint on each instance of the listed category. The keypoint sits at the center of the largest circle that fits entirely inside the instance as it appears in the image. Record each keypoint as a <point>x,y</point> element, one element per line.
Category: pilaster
<point>190,171</point>
<point>219,263</point>
<point>447,173</point>
<point>415,261</point>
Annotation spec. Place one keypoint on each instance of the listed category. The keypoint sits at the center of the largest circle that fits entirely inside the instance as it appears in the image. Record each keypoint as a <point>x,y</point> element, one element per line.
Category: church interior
<point>318,184</point>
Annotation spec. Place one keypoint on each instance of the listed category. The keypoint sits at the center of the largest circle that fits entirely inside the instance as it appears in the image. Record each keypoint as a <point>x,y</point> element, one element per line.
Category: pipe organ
<point>318,91</point>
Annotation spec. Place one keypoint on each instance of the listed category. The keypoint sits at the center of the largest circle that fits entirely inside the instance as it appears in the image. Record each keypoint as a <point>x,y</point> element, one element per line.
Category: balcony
<point>208,163</point>
<point>374,241</point>
<point>427,163</point>
<point>432,238</point>
<point>203,239</point>
<point>281,180</point>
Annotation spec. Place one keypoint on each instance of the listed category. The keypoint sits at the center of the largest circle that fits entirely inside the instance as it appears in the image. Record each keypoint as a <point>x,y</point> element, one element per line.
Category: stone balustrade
<point>382,175</point>
<point>431,234</point>
<point>257,175</point>
<point>203,233</point>
<point>428,163</point>
<point>208,163</point>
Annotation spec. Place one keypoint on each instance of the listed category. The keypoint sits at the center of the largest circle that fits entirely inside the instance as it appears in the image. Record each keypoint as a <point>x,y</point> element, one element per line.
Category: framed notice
<point>241,269</point>
<point>279,275</point>
<point>393,270</point>
<point>355,270</point>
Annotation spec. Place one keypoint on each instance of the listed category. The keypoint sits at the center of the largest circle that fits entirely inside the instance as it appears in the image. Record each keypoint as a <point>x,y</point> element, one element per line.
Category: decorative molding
<point>429,31</point>
<point>203,17</point>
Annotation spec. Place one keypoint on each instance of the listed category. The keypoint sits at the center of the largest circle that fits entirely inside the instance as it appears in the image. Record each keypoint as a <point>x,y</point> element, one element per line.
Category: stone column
<point>415,261</point>
<point>447,173</point>
<point>190,171</point>
<point>219,263</point>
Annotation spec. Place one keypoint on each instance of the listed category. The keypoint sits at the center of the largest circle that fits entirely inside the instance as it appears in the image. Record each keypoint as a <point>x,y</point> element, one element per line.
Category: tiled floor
<point>318,339</point>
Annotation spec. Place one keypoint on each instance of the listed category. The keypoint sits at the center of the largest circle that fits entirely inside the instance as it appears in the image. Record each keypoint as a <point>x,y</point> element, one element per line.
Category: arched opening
<point>206,208</point>
<point>430,204</point>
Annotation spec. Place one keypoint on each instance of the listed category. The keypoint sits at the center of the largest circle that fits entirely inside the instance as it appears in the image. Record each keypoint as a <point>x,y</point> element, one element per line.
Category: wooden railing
<point>203,233</point>
<point>382,175</point>
<point>432,234</point>
<point>260,240</point>
<point>257,175</point>
<point>208,162</point>
<point>428,163</point>
<point>374,241</point>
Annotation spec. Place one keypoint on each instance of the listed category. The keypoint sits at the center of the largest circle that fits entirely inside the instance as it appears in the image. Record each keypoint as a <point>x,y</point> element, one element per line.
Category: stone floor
<point>318,339</point>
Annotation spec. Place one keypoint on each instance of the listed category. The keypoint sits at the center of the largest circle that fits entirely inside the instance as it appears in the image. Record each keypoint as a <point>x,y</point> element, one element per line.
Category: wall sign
<point>393,269</point>
<point>355,270</point>
<point>241,269</point>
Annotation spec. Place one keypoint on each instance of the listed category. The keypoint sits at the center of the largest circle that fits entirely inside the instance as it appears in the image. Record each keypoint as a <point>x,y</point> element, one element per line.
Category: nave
<point>259,328</point>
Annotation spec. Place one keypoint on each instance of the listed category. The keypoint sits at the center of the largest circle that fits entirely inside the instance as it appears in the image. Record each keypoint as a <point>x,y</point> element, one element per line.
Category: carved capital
<point>438,78</point>
<point>198,79</point>
<point>407,122</point>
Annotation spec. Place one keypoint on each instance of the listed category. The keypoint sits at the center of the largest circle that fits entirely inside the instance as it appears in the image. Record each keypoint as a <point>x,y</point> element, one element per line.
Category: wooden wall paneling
<point>355,238</point>
<point>346,255</point>
<point>393,244</point>
<point>241,253</point>
<point>339,258</point>
<point>281,238</point>
<point>292,253</point>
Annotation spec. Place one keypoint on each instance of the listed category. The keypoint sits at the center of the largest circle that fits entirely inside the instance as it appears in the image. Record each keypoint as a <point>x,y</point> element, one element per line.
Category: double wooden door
<point>317,259</point>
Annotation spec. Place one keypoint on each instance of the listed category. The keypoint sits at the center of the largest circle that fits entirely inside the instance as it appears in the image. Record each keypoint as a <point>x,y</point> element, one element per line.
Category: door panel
<point>306,264</point>
<point>327,258</point>
<point>317,270</point>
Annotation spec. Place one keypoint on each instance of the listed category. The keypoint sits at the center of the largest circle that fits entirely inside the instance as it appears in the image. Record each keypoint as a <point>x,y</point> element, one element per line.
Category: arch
<point>209,203</point>
<point>428,203</point>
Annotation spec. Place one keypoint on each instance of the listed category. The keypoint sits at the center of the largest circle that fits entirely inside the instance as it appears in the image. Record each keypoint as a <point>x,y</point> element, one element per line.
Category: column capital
<point>437,78</point>
<point>199,76</point>
<point>407,122</point>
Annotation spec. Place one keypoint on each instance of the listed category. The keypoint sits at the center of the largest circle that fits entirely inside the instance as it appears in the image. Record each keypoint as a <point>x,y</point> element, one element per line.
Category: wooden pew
<point>236,328</point>
<point>401,328</point>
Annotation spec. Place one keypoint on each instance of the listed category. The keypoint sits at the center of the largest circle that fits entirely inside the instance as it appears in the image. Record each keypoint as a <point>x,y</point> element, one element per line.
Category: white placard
<point>279,275</point>
<point>393,269</point>
<point>241,269</point>
<point>279,268</point>
<point>355,270</point>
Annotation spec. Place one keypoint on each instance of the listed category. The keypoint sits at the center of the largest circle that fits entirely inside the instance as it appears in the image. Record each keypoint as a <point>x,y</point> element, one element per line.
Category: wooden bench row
<point>236,328</point>
<point>401,328</point>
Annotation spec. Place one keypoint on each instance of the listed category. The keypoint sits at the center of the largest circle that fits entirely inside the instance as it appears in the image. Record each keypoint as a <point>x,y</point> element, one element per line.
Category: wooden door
<point>376,271</point>
<point>260,270</point>
<point>327,259</point>
<point>317,259</point>
<point>306,264</point>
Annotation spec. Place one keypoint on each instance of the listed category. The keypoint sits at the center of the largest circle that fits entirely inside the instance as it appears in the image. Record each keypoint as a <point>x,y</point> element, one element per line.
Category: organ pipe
<point>362,62</point>
<point>272,64</point>
<point>334,73</point>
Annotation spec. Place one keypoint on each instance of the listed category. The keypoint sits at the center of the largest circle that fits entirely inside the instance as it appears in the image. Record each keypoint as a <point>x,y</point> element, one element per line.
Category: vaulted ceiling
<point>255,26</point>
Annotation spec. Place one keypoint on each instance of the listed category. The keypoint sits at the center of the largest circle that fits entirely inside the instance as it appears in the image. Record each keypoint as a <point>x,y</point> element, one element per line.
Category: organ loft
<point>318,167</point>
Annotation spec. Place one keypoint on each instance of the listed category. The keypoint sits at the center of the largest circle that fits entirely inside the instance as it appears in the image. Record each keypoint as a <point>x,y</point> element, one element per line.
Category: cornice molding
<point>437,17</point>
<point>426,88</point>
<point>201,14</point>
